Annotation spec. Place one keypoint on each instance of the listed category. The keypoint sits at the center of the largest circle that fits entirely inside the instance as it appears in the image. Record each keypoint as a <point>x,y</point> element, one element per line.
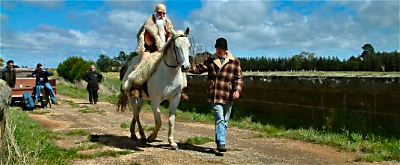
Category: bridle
<point>176,56</point>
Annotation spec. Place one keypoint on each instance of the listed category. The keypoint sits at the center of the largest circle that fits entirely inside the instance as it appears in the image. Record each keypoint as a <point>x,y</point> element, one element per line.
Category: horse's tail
<point>122,99</point>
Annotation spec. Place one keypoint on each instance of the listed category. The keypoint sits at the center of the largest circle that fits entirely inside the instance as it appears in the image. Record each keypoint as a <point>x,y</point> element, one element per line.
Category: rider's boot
<point>183,93</point>
<point>135,93</point>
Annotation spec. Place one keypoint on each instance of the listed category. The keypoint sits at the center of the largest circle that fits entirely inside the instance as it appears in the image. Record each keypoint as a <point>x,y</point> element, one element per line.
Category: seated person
<point>42,80</point>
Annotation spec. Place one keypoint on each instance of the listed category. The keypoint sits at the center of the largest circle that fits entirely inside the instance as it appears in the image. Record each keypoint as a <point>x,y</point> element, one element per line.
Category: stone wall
<point>313,97</point>
<point>5,100</point>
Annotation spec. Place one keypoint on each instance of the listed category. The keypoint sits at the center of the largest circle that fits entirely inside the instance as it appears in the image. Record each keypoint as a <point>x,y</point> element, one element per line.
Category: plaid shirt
<point>223,79</point>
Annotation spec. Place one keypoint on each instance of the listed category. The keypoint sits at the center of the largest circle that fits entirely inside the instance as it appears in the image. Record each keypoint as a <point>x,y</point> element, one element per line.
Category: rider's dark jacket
<point>42,73</point>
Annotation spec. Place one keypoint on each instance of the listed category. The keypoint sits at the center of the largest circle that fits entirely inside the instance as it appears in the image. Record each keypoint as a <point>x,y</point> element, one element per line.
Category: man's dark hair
<point>10,61</point>
<point>38,65</point>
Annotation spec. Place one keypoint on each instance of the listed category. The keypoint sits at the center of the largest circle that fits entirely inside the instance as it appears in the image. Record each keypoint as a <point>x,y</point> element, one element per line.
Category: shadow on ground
<point>125,142</point>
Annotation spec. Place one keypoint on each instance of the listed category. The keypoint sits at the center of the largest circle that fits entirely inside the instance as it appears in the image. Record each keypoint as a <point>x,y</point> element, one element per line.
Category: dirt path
<point>243,147</point>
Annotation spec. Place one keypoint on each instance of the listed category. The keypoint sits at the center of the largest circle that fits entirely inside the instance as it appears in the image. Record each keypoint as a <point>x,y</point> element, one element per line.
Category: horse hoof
<point>134,137</point>
<point>143,140</point>
<point>148,140</point>
<point>175,148</point>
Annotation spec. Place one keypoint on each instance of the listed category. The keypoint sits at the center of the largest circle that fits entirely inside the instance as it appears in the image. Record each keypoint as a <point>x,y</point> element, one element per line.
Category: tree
<point>303,60</point>
<point>122,57</point>
<point>104,63</point>
<point>368,50</point>
<point>197,51</point>
<point>200,57</point>
<point>73,68</point>
<point>1,62</point>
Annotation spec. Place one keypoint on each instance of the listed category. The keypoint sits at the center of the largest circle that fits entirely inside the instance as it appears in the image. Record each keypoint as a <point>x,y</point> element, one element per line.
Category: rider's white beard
<point>160,24</point>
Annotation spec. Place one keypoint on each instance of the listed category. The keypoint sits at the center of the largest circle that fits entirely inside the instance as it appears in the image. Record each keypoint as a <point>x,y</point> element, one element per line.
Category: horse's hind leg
<point>139,104</point>
<point>136,107</point>
<point>171,121</point>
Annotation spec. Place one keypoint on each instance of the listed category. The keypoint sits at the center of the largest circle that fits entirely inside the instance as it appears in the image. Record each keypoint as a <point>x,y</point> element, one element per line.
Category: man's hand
<point>159,49</point>
<point>236,95</point>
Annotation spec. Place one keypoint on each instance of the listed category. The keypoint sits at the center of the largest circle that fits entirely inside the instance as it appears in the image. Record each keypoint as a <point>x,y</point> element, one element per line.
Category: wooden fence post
<point>5,100</point>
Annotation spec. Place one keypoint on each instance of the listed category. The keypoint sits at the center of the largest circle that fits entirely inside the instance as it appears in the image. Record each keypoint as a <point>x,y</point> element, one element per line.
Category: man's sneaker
<point>36,102</point>
<point>54,102</point>
<point>221,148</point>
<point>95,102</point>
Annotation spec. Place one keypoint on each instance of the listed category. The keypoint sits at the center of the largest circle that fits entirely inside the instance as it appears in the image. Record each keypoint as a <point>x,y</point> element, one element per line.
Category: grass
<point>78,132</point>
<point>79,91</point>
<point>198,140</point>
<point>89,146</point>
<point>125,125</point>
<point>29,143</point>
<point>111,153</point>
<point>84,108</point>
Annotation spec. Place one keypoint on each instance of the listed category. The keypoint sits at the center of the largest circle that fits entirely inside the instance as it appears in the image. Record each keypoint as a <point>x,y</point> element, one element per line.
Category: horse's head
<point>181,48</point>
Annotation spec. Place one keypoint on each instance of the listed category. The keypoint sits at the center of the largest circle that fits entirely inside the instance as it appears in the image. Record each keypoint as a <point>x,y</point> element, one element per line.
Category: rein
<point>176,56</point>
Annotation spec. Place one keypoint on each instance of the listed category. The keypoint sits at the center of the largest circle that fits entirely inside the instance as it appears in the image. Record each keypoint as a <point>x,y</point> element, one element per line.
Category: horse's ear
<point>187,31</point>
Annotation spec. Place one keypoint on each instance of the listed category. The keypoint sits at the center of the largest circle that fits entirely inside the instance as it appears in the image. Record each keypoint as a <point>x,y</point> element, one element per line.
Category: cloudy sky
<point>50,31</point>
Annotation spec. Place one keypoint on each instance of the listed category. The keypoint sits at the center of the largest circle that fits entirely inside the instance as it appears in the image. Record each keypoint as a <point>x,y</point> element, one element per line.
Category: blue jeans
<point>222,112</point>
<point>48,87</point>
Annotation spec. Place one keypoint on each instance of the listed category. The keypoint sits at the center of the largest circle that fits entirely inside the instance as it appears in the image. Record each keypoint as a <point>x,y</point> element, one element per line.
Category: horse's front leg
<point>157,118</point>
<point>173,104</point>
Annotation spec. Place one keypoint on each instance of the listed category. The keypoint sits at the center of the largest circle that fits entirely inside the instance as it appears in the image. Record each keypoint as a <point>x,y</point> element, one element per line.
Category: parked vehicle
<point>26,83</point>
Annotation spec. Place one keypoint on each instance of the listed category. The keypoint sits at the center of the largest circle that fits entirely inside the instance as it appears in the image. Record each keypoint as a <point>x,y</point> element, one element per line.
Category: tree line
<point>371,62</point>
<point>74,67</point>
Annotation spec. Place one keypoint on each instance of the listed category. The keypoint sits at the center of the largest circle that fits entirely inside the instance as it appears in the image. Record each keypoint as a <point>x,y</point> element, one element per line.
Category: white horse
<point>165,83</point>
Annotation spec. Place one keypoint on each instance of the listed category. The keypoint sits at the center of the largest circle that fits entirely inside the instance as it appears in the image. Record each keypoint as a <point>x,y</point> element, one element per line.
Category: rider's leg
<point>52,94</point>
<point>144,55</point>
<point>37,92</point>
<point>134,91</point>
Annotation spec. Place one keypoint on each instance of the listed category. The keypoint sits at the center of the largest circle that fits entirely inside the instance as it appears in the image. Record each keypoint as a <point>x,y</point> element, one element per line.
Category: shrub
<point>73,68</point>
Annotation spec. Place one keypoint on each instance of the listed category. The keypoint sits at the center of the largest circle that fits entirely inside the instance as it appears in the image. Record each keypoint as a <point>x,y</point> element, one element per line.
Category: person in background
<point>225,81</point>
<point>42,79</point>
<point>8,74</point>
<point>92,78</point>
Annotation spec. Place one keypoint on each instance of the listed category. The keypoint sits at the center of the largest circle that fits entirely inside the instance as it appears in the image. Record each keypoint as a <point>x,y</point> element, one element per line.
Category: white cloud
<point>45,3</point>
<point>333,27</point>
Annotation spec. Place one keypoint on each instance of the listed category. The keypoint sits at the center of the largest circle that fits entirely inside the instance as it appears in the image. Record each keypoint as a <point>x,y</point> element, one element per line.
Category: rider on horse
<point>152,36</point>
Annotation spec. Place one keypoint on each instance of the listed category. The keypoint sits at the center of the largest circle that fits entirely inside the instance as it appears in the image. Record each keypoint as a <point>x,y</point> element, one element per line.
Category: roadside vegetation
<point>29,143</point>
<point>27,150</point>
